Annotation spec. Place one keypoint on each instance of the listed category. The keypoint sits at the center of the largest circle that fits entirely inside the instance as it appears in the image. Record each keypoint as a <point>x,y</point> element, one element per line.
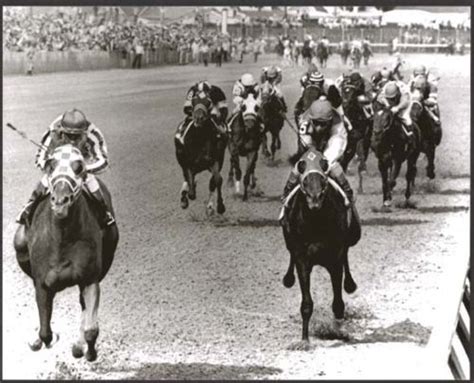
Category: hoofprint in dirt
<point>192,297</point>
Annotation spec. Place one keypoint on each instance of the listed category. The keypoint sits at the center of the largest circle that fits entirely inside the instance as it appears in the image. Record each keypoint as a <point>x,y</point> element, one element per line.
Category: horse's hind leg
<point>91,295</point>
<point>78,347</point>
<point>410,176</point>
<point>44,300</point>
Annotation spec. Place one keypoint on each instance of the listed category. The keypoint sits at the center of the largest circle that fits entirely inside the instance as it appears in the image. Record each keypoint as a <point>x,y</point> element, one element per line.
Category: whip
<point>23,135</point>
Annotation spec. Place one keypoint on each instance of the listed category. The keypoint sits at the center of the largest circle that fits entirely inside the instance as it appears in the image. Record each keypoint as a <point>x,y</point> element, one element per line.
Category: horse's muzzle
<point>60,206</point>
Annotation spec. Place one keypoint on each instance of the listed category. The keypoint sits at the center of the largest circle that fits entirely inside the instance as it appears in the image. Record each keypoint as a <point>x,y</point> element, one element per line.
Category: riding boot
<point>107,218</point>
<point>291,183</point>
<point>27,212</point>
<point>182,128</point>
<point>283,105</point>
<point>346,187</point>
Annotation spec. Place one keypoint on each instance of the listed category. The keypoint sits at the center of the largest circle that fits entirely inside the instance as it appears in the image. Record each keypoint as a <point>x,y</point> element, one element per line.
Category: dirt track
<point>195,298</point>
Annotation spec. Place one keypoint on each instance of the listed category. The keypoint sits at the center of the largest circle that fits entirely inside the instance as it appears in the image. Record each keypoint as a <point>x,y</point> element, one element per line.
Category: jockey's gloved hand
<point>394,109</point>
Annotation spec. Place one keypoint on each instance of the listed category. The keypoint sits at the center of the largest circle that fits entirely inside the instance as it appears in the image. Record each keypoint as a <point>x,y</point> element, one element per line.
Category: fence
<point>57,61</point>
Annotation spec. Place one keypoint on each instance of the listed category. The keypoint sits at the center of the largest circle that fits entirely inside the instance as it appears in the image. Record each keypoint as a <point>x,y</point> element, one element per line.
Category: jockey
<point>325,41</point>
<point>218,110</point>
<point>323,121</point>
<point>274,76</point>
<point>329,91</point>
<point>396,67</point>
<point>396,96</point>
<point>73,128</point>
<point>363,90</point>
<point>422,81</point>
<point>242,88</point>
<point>380,78</point>
<point>304,80</point>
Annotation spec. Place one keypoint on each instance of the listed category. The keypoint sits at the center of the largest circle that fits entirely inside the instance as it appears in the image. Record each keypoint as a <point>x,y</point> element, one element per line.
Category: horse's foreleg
<point>411,174</point>
<point>336,279</point>
<point>91,295</point>
<point>349,284</point>
<point>386,190</point>
<point>235,163</point>
<point>251,162</point>
<point>289,278</point>
<point>192,185</point>
<point>79,346</point>
<point>430,156</point>
<point>304,273</point>
<point>397,164</point>
<point>44,301</point>
<point>230,178</point>
<point>264,145</point>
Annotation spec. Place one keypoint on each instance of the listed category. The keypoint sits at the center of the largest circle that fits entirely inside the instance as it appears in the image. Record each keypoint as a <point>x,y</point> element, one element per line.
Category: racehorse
<point>345,51</point>
<point>317,232</point>
<point>392,145</point>
<point>64,246</point>
<point>306,52</point>
<point>366,53</point>
<point>245,139</point>
<point>358,140</point>
<point>271,114</point>
<point>430,134</point>
<point>203,149</point>
<point>356,56</point>
<point>322,54</point>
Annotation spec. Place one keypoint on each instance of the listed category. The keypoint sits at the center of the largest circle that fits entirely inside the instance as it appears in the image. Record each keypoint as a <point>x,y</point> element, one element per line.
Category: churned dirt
<point>197,297</point>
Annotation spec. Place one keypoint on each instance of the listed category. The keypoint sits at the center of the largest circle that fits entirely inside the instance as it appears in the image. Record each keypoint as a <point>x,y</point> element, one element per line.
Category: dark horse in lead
<point>318,231</point>
<point>271,114</point>
<point>203,149</point>
<point>63,246</point>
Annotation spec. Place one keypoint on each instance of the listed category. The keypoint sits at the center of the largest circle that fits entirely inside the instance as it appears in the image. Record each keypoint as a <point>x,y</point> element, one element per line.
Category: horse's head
<point>348,91</point>
<point>310,94</point>
<point>66,171</point>
<point>267,91</point>
<point>312,168</point>
<point>250,109</point>
<point>383,121</point>
<point>201,104</point>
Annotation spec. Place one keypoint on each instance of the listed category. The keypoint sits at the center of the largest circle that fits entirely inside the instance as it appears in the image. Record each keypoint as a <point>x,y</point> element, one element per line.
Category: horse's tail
<point>59,274</point>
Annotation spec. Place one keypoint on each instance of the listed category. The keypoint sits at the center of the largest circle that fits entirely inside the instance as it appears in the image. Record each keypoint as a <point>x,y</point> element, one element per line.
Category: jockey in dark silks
<point>380,78</point>
<point>73,128</point>
<point>329,91</point>
<point>274,76</point>
<point>322,127</point>
<point>304,80</point>
<point>218,111</point>
<point>363,91</point>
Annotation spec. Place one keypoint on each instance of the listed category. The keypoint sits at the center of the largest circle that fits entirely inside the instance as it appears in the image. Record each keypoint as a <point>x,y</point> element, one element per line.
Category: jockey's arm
<point>337,143</point>
<point>98,151</point>
<point>188,106</point>
<point>405,97</point>
<point>43,152</point>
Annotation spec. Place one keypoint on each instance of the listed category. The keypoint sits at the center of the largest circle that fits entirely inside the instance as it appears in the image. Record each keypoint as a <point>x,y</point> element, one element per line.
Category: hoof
<point>221,208</point>
<point>209,211</point>
<point>192,197</point>
<point>91,355</point>
<point>77,351</point>
<point>302,345</point>
<point>387,203</point>
<point>36,345</point>
<point>184,203</point>
<point>289,280</point>
<point>430,174</point>
<point>349,286</point>
<point>54,340</point>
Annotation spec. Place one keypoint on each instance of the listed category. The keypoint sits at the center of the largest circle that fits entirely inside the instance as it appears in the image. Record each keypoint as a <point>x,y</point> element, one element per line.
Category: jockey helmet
<point>391,90</point>
<point>247,80</point>
<point>272,72</point>
<point>316,78</point>
<point>321,111</point>
<point>203,86</point>
<point>355,78</point>
<point>385,73</point>
<point>74,122</point>
<point>420,69</point>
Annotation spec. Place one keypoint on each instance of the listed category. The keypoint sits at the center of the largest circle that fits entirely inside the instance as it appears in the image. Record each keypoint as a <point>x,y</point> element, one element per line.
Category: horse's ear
<point>324,164</point>
<point>301,166</point>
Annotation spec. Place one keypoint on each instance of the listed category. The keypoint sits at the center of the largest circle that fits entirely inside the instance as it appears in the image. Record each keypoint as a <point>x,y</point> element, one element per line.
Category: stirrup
<point>109,219</point>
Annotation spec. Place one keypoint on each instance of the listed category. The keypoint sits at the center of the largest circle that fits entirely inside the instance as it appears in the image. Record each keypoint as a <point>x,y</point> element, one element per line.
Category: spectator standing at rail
<point>195,51</point>
<point>139,51</point>
<point>205,52</point>
<point>226,49</point>
<point>256,50</point>
<point>240,50</point>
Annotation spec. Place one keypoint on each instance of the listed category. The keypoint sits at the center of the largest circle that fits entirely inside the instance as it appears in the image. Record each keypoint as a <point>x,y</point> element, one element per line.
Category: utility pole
<point>224,21</point>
